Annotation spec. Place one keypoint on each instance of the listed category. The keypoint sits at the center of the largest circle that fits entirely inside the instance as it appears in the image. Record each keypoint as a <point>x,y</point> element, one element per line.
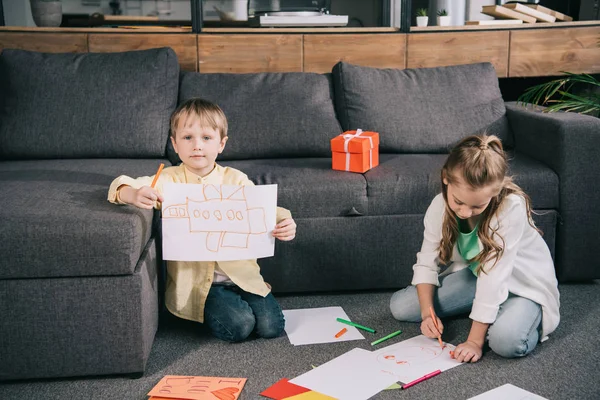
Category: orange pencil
<point>157,174</point>
<point>436,325</point>
<point>340,333</point>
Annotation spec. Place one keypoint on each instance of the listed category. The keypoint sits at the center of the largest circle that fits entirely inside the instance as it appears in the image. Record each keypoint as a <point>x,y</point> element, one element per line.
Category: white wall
<point>475,14</point>
<point>17,13</point>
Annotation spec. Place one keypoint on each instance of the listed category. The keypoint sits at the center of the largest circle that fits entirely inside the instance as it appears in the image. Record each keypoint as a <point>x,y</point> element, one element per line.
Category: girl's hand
<point>428,327</point>
<point>144,197</point>
<point>285,230</point>
<point>468,351</point>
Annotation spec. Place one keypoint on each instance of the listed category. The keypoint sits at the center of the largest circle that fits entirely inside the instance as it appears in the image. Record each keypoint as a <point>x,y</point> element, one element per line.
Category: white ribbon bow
<point>348,137</point>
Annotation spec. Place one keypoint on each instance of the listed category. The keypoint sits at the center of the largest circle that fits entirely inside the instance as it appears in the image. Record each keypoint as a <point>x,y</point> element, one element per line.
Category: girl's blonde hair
<point>479,161</point>
<point>209,114</point>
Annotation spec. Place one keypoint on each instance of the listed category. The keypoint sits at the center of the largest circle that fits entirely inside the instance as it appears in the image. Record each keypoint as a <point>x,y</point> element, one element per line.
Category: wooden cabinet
<point>549,52</point>
<point>245,53</point>
<point>453,48</point>
<point>515,52</point>
<point>184,45</point>
<point>45,42</point>
<point>322,52</point>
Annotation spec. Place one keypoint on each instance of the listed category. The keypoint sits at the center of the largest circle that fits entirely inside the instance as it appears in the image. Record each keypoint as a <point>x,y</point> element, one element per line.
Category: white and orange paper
<point>355,151</point>
<point>197,388</point>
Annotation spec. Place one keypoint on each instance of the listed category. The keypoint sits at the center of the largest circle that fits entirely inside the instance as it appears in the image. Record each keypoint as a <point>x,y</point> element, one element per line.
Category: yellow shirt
<point>188,282</point>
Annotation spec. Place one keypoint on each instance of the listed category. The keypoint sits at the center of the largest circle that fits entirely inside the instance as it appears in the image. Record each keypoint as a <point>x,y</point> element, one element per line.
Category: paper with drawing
<point>218,222</point>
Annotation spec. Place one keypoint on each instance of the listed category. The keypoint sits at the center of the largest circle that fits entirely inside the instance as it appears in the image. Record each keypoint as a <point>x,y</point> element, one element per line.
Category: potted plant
<point>443,18</point>
<point>422,18</point>
<point>578,93</point>
<point>46,12</point>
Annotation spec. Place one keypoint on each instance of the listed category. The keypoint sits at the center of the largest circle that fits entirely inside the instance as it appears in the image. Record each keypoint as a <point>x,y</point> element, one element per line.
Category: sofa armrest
<point>569,143</point>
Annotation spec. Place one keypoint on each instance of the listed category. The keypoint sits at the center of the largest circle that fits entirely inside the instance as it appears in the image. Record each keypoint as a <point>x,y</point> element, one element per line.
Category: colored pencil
<point>364,328</point>
<point>391,335</point>
<point>436,326</point>
<point>160,168</point>
<point>421,379</point>
<point>340,333</point>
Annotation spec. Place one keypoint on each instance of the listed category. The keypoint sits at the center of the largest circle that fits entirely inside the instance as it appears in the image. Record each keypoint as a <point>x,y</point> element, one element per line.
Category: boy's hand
<point>144,197</point>
<point>285,230</point>
<point>428,327</point>
<point>468,351</point>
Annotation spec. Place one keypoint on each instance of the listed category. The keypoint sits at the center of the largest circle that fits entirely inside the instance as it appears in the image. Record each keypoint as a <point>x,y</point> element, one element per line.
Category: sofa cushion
<point>56,220</point>
<point>81,105</point>
<point>423,110</point>
<point>270,114</point>
<point>406,183</point>
<point>308,187</point>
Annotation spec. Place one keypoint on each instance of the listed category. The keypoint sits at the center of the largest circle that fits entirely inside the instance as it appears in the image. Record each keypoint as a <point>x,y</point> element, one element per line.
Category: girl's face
<point>467,201</point>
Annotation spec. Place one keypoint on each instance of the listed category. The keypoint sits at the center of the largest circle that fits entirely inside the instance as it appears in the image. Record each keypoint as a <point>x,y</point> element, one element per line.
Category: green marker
<point>343,321</point>
<point>391,335</point>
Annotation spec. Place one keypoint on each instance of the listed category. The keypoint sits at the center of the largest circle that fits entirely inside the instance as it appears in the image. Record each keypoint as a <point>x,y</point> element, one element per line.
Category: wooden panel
<point>443,49</point>
<point>322,52</point>
<point>250,53</point>
<point>548,52</point>
<point>44,42</point>
<point>184,45</point>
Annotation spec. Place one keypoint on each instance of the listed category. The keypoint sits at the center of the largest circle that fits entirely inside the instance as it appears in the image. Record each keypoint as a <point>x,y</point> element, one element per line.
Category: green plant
<point>421,12</point>
<point>557,95</point>
<point>442,13</point>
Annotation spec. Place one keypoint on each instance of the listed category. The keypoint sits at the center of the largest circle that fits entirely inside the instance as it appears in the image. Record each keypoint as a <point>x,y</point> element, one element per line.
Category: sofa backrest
<point>92,105</point>
<point>425,110</point>
<point>270,115</point>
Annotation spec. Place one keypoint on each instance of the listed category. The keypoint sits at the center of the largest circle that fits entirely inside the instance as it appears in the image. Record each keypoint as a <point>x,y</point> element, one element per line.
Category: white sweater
<point>525,268</point>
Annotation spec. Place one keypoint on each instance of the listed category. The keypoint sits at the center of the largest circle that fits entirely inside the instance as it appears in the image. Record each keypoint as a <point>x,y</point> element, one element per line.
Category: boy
<point>231,297</point>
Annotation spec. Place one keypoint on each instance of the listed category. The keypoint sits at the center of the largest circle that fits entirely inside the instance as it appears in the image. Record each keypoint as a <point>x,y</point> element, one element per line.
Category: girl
<point>497,266</point>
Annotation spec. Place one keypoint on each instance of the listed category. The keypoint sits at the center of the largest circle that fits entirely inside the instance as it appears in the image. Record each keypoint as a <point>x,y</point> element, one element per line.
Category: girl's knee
<point>507,343</point>
<point>404,305</point>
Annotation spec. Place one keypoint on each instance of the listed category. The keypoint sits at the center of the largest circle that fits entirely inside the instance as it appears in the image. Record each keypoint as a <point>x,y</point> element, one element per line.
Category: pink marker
<point>421,379</point>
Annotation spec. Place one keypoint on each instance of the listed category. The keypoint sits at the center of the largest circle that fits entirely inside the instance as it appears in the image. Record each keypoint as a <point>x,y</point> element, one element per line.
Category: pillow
<point>92,105</point>
<point>270,115</point>
<point>425,110</point>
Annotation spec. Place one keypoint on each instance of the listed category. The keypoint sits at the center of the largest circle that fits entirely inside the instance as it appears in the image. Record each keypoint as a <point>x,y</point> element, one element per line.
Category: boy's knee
<point>237,329</point>
<point>271,326</point>
<point>507,343</point>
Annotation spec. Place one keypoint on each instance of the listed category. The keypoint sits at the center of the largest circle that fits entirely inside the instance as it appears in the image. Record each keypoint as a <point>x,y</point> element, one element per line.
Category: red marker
<point>421,379</point>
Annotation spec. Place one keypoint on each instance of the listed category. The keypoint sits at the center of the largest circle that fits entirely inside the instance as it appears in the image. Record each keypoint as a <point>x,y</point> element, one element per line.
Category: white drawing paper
<point>318,325</point>
<point>414,358</point>
<point>218,222</point>
<point>352,376</point>
<point>508,391</point>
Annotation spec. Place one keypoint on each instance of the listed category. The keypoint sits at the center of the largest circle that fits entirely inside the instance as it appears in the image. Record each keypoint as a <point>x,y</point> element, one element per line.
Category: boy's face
<point>198,146</point>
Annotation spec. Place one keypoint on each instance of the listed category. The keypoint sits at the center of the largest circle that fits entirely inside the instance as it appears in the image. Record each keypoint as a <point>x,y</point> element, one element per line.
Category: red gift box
<point>355,151</point>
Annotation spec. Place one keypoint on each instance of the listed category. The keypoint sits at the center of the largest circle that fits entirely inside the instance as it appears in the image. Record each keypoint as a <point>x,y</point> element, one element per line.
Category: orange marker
<point>340,333</point>
<point>436,325</point>
<point>160,168</point>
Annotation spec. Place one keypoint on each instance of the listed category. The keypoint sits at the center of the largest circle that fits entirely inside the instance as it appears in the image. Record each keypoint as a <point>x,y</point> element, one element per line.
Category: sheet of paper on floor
<point>197,387</point>
<point>415,357</point>
<point>218,222</point>
<point>318,325</point>
<point>508,391</point>
<point>354,375</point>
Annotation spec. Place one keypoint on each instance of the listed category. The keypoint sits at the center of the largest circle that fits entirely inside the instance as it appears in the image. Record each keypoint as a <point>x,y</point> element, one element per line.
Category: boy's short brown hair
<point>209,114</point>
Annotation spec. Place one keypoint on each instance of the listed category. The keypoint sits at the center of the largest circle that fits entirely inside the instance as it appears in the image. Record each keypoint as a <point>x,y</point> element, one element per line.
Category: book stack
<point>519,13</point>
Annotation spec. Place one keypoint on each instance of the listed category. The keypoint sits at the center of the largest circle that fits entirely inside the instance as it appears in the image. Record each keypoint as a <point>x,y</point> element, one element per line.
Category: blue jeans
<point>515,333</point>
<point>232,314</point>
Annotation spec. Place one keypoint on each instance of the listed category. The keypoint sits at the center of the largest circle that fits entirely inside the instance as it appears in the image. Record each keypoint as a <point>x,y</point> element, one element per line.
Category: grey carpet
<point>564,367</point>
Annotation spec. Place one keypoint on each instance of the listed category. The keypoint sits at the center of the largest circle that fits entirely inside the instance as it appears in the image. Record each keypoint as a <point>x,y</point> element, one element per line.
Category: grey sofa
<point>79,277</point>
